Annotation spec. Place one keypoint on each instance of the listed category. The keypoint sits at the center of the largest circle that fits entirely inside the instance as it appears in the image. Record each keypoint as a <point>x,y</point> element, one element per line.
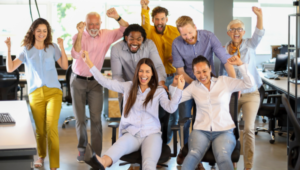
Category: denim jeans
<point>173,119</point>
<point>223,143</point>
<point>185,109</point>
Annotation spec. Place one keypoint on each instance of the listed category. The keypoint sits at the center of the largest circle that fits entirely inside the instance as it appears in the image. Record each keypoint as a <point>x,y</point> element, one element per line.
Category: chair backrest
<point>8,84</point>
<point>294,148</point>
<point>68,97</point>
<point>261,94</point>
<point>164,121</point>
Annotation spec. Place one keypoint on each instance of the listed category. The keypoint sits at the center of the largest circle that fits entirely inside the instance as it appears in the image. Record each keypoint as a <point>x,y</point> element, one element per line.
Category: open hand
<point>8,43</point>
<point>235,60</point>
<point>112,13</point>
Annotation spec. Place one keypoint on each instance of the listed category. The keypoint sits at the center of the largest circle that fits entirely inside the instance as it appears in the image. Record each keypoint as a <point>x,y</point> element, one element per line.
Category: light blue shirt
<point>40,67</point>
<point>248,54</point>
<point>140,119</point>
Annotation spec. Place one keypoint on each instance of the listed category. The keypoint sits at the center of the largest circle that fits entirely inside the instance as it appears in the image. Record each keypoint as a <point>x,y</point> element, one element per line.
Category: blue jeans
<point>223,143</point>
<point>185,109</point>
<point>174,117</point>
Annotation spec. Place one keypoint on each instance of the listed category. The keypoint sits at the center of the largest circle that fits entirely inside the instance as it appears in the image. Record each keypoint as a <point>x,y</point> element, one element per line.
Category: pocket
<point>49,63</point>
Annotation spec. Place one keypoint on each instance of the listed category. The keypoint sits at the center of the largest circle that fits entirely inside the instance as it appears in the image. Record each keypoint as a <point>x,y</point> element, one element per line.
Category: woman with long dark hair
<point>39,55</point>
<point>213,124</point>
<point>140,125</point>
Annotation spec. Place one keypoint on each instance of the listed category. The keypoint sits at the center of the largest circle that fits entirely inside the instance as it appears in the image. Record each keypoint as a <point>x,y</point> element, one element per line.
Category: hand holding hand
<point>112,13</point>
<point>80,27</point>
<point>235,60</point>
<point>8,43</point>
<point>86,59</point>
<point>181,82</point>
<point>257,11</point>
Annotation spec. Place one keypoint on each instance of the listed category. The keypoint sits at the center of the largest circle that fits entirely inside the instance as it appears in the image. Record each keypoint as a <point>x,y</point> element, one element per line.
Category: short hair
<point>201,59</point>
<point>92,13</point>
<point>236,21</point>
<point>159,9</point>
<point>135,27</point>
<point>183,21</point>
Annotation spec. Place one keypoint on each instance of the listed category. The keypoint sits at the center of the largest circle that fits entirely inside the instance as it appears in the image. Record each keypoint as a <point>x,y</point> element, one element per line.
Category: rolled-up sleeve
<point>74,53</point>
<point>154,56</point>
<point>256,37</point>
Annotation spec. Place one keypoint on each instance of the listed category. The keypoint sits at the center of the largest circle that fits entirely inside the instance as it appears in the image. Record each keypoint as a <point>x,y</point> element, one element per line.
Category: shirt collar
<point>140,91</point>
<point>213,80</point>
<point>198,38</point>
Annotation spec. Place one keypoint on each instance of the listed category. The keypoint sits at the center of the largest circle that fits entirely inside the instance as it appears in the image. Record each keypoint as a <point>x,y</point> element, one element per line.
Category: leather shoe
<point>91,159</point>
<point>180,158</point>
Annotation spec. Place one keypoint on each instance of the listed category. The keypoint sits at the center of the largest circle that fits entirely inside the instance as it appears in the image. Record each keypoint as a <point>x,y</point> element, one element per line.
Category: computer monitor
<point>293,70</point>
<point>281,62</point>
<point>1,60</point>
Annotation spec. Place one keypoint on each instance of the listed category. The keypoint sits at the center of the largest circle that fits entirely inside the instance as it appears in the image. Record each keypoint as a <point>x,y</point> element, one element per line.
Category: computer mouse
<point>277,78</point>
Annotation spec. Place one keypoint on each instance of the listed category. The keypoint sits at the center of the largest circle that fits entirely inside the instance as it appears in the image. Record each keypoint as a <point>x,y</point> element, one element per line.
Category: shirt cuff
<point>94,70</point>
<point>177,64</point>
<point>243,68</point>
<point>75,54</point>
<point>259,32</point>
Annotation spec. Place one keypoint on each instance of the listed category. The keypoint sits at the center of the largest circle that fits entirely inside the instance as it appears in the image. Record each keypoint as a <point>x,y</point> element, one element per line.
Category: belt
<point>84,78</point>
<point>172,74</point>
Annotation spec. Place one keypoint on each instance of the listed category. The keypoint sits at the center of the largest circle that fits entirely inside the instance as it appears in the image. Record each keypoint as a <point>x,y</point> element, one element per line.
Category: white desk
<point>281,85</point>
<point>17,142</point>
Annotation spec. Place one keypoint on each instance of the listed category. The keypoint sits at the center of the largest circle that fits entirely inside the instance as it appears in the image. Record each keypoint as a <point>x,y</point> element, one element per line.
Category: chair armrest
<point>113,125</point>
<point>175,127</point>
<point>274,96</point>
<point>184,120</point>
<point>270,90</point>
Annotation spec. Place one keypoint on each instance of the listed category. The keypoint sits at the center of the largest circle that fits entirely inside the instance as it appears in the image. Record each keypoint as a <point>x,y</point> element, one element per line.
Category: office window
<point>275,21</point>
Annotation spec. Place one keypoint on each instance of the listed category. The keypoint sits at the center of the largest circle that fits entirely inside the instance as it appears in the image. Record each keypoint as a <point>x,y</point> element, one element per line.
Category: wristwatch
<point>119,19</point>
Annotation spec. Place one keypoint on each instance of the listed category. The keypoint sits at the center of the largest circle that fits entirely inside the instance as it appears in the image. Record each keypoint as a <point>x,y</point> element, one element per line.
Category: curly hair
<point>135,27</point>
<point>29,38</point>
<point>159,9</point>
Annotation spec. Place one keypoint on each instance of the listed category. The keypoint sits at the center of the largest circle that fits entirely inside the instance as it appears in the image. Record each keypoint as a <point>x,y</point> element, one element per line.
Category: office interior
<point>213,15</point>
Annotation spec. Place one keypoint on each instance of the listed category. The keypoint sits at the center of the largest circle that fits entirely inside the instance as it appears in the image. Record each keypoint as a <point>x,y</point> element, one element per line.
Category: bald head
<point>93,23</point>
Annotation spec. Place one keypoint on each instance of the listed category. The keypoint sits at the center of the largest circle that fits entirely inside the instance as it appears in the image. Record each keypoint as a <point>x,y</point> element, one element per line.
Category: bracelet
<point>119,19</point>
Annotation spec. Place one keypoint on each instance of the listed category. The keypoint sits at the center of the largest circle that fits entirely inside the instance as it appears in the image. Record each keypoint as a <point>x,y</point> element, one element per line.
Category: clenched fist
<point>80,27</point>
<point>112,13</point>
<point>8,43</point>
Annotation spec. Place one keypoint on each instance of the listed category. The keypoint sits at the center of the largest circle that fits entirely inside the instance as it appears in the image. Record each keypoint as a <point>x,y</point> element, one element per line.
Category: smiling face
<point>188,33</point>
<point>160,20</point>
<point>145,75</point>
<point>134,41</point>
<point>236,36</point>
<point>40,33</point>
<point>203,73</point>
<point>93,24</point>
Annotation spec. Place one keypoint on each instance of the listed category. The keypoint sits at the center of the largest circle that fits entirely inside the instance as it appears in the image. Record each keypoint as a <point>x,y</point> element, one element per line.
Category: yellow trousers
<point>45,105</point>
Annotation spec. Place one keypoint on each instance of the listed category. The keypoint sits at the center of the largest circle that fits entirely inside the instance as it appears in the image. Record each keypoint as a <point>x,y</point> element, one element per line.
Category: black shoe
<point>91,159</point>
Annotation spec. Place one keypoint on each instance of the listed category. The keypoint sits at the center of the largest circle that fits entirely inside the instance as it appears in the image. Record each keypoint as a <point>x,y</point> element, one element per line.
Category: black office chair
<point>8,84</point>
<point>136,157</point>
<point>294,144</point>
<point>68,98</point>
<point>209,156</point>
<point>273,111</point>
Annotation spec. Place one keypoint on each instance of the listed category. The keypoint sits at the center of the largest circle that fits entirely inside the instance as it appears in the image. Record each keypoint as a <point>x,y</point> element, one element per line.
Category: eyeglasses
<point>236,29</point>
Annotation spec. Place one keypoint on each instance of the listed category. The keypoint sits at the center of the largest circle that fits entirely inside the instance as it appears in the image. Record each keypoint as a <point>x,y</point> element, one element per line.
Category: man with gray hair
<point>83,85</point>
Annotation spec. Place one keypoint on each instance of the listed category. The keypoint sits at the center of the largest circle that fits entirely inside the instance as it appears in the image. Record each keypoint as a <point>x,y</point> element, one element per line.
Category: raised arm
<point>154,56</point>
<point>63,60</point>
<point>80,28</point>
<point>11,65</point>
<point>186,93</point>
<point>107,83</point>
<point>259,31</point>
<point>239,84</point>
<point>112,13</point>
<point>145,17</point>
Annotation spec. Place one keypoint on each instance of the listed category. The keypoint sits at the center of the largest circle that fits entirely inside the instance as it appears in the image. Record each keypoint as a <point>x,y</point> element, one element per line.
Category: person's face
<point>236,33</point>
<point>134,41</point>
<point>145,74</point>
<point>93,23</point>
<point>188,33</point>
<point>160,20</point>
<point>40,33</point>
<point>202,73</point>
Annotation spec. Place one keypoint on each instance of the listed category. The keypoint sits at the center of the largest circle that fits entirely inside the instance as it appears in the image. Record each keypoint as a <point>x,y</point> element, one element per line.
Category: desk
<point>281,85</point>
<point>17,143</point>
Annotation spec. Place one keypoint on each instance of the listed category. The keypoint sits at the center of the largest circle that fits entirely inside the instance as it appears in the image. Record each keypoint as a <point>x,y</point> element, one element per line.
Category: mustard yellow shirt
<point>163,41</point>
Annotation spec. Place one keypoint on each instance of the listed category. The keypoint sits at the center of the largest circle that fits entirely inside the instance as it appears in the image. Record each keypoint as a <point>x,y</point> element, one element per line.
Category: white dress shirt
<point>140,119</point>
<point>213,106</point>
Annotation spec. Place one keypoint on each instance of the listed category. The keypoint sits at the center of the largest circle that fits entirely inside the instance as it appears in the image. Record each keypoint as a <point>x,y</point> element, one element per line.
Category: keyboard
<point>6,119</point>
<point>270,75</point>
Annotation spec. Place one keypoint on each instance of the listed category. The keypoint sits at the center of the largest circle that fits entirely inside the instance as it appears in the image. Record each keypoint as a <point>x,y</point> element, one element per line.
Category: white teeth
<point>144,78</point>
<point>134,46</point>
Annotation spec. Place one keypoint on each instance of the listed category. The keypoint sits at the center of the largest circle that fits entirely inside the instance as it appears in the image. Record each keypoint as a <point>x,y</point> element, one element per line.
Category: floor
<point>267,156</point>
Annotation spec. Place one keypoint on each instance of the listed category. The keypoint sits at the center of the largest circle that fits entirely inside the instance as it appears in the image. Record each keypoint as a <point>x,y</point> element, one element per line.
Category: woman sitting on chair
<point>140,125</point>
<point>213,124</point>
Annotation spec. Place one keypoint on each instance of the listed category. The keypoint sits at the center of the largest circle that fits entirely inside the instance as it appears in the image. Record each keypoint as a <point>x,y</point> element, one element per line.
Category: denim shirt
<point>248,54</point>
<point>40,67</point>
<point>140,119</point>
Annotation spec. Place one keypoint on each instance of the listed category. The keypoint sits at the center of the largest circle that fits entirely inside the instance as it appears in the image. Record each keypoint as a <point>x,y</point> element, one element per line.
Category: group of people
<point>150,63</point>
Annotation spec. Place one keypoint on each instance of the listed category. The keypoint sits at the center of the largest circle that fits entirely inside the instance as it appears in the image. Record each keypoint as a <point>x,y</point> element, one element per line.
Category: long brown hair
<point>29,38</point>
<point>153,83</point>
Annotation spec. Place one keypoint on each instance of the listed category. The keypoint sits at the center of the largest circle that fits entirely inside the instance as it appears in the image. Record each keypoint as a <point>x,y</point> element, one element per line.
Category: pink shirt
<point>97,48</point>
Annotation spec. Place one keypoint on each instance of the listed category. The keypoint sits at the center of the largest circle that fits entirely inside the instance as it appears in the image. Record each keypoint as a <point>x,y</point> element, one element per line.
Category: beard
<point>90,31</point>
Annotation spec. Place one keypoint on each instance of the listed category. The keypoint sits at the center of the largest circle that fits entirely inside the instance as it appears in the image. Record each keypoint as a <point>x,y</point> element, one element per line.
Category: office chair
<point>271,110</point>
<point>209,156</point>
<point>8,84</point>
<point>136,157</point>
<point>68,98</point>
<point>294,144</point>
